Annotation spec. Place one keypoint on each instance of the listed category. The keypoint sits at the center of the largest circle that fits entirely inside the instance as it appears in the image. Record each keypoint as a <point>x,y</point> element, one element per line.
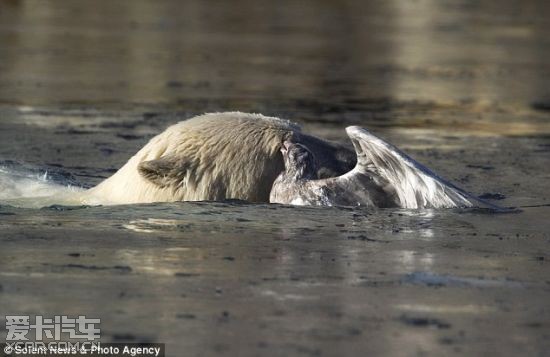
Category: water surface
<point>461,86</point>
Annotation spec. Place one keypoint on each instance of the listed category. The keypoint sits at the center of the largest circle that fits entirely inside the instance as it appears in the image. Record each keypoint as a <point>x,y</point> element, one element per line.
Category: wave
<point>28,187</point>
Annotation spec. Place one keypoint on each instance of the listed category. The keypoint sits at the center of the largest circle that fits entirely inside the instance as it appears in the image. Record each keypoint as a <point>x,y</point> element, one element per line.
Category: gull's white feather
<point>415,185</point>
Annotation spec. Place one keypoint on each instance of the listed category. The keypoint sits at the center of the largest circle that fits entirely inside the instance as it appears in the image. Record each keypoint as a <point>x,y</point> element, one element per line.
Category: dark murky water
<point>461,86</point>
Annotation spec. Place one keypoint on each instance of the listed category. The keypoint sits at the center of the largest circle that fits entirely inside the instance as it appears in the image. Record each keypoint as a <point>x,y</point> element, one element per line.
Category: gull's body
<point>383,177</point>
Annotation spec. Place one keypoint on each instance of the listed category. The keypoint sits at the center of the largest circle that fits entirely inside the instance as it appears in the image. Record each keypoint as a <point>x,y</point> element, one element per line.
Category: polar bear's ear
<point>165,171</point>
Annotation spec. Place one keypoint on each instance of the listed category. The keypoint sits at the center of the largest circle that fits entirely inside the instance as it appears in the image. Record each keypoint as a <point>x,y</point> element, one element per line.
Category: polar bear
<point>214,156</point>
<point>256,158</point>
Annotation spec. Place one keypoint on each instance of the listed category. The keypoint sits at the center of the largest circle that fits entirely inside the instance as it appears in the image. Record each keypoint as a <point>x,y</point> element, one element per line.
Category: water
<point>460,86</point>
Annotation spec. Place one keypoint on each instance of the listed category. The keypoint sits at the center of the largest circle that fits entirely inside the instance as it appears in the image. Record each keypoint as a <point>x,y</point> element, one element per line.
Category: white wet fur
<point>214,156</point>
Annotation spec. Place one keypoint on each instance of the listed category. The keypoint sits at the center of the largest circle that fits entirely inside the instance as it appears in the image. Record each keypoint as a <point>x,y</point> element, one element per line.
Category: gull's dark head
<point>299,161</point>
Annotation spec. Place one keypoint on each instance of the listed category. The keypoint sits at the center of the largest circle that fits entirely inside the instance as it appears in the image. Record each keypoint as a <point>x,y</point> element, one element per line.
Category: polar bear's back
<point>209,157</point>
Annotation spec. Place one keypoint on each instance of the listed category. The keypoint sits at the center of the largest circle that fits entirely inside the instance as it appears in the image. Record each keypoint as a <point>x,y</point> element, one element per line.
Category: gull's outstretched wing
<point>415,185</point>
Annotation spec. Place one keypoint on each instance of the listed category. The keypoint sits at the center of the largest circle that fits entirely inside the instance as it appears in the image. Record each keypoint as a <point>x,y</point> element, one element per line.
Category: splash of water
<point>24,187</point>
